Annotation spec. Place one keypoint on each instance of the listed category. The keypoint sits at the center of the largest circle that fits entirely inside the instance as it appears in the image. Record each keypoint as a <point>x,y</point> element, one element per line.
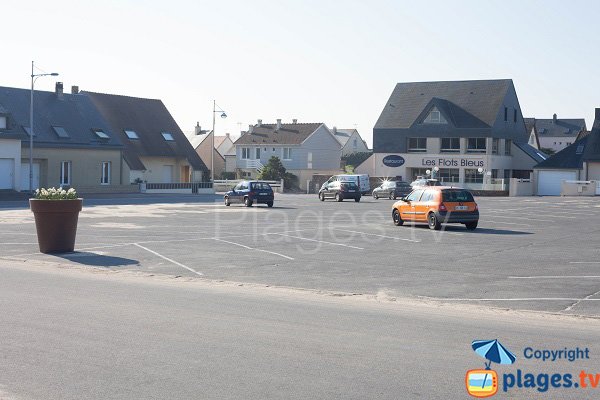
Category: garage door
<point>7,172</point>
<point>549,181</point>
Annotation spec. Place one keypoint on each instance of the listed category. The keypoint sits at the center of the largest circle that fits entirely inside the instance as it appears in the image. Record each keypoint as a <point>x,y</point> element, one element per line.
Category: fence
<point>185,187</point>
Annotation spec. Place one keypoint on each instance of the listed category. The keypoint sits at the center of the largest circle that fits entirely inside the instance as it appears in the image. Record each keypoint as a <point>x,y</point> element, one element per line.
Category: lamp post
<point>31,133</point>
<point>216,109</point>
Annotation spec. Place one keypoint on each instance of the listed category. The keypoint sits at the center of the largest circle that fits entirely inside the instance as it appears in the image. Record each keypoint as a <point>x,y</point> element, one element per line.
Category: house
<point>580,161</point>
<point>534,140</point>
<point>155,148</point>
<point>557,133</point>
<point>202,143</point>
<point>305,149</point>
<point>72,144</point>
<point>350,141</point>
<point>467,132</point>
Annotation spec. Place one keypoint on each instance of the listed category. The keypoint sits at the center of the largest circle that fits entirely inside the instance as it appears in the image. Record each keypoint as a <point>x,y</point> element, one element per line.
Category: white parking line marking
<point>556,277</point>
<point>509,299</point>
<point>381,236</point>
<point>584,262</point>
<point>253,248</point>
<point>320,241</point>
<point>505,223</point>
<point>168,259</point>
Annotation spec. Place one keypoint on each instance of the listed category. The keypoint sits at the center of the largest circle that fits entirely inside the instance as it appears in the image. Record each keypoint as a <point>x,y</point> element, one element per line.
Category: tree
<point>274,171</point>
<point>548,151</point>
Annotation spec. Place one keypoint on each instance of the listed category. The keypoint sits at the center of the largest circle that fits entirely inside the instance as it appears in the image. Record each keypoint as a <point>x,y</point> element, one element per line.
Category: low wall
<point>520,187</point>
<point>578,188</point>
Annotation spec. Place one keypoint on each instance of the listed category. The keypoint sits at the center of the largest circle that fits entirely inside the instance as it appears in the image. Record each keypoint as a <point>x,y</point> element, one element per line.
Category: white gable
<point>435,117</point>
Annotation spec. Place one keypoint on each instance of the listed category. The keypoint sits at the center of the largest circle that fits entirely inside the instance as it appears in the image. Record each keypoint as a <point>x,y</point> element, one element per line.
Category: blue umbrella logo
<point>493,351</point>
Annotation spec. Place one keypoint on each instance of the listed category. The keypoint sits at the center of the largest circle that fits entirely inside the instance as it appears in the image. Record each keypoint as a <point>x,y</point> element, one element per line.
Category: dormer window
<point>3,121</point>
<point>435,117</point>
<point>28,131</point>
<point>101,134</point>
<point>167,136</point>
<point>131,134</point>
<point>60,132</point>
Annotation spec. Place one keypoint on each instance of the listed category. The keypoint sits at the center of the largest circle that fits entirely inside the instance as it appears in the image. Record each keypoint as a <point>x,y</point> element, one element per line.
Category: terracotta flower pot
<point>56,223</point>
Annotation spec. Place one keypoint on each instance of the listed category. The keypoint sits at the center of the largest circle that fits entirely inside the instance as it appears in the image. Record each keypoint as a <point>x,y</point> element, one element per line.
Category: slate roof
<point>592,151</point>
<point>532,152</point>
<point>288,134</point>
<point>467,104</point>
<point>343,135</point>
<point>559,127</point>
<point>148,118</point>
<point>571,157</point>
<point>75,113</point>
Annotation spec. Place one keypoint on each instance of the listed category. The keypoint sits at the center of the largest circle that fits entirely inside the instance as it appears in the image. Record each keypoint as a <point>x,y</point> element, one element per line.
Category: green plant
<point>273,170</point>
<point>55,194</point>
<point>355,159</point>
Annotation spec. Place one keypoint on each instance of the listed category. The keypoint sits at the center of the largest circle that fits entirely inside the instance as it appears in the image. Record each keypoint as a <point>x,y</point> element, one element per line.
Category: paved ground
<point>68,334</point>
<point>529,253</point>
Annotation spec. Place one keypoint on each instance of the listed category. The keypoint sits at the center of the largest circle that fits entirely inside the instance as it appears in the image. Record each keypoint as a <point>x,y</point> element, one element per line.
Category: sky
<point>331,61</point>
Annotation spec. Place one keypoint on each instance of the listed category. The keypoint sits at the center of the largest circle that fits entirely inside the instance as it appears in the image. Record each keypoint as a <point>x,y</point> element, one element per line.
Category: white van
<point>362,181</point>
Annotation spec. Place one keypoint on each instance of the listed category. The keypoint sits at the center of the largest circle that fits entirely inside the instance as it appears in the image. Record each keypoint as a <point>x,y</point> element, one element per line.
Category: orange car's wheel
<point>396,217</point>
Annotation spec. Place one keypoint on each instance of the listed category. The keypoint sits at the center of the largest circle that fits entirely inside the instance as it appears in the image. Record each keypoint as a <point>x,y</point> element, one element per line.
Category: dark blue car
<point>250,192</point>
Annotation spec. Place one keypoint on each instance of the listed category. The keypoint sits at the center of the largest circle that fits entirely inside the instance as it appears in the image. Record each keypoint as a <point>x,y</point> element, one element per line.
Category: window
<point>131,134</point>
<point>245,153</point>
<point>355,143</point>
<point>258,153</point>
<point>507,174</point>
<point>476,145</point>
<point>456,196</point>
<point>287,153</point>
<point>434,117</point>
<point>505,114</point>
<point>28,131</point>
<point>65,173</point>
<point>2,122</point>
<point>167,136</point>
<point>415,195</point>
<point>507,146</point>
<point>450,175</point>
<point>450,145</point>
<point>495,144</point>
<point>494,174</point>
<point>60,132</point>
<point>105,178</point>
<point>417,145</point>
<point>473,176</point>
<point>428,196</point>
<point>515,115</point>
<point>101,134</point>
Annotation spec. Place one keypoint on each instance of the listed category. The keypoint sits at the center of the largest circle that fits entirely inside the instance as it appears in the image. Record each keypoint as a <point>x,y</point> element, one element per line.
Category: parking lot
<point>528,253</point>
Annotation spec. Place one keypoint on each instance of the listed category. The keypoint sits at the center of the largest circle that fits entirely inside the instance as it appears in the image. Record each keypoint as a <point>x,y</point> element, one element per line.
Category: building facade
<point>466,132</point>
<point>556,133</point>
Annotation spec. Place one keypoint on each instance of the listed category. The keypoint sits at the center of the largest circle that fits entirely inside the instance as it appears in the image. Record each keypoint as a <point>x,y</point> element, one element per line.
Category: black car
<point>392,189</point>
<point>250,192</point>
<point>339,191</point>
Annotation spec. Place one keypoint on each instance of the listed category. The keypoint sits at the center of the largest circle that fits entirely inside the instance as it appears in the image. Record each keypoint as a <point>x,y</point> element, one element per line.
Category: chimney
<point>197,129</point>
<point>59,90</point>
<point>597,114</point>
<point>74,89</point>
<point>334,129</point>
<point>227,135</point>
<point>278,123</point>
<point>259,122</point>
<point>251,128</point>
<point>554,119</point>
<point>294,121</point>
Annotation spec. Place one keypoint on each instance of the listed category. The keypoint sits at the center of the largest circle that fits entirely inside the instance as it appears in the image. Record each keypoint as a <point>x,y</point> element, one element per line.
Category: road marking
<point>509,299</point>
<point>168,259</point>
<point>505,223</point>
<point>320,241</point>
<point>381,236</point>
<point>556,277</point>
<point>584,262</point>
<point>254,248</point>
<point>586,298</point>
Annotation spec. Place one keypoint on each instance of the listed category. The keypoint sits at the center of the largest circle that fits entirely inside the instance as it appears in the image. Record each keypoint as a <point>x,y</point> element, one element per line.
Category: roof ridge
<point>119,95</point>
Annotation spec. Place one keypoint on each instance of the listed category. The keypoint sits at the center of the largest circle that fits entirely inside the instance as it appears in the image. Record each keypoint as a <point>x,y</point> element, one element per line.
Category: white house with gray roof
<point>466,132</point>
<point>350,140</point>
<point>556,133</point>
<point>305,149</point>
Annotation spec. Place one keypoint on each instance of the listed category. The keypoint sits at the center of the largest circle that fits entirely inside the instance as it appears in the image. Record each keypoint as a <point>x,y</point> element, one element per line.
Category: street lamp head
<point>428,172</point>
<point>436,169</point>
<point>223,115</point>
<point>480,170</point>
<point>54,74</point>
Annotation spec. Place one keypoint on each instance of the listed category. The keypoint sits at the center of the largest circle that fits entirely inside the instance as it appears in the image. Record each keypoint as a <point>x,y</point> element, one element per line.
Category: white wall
<point>11,148</point>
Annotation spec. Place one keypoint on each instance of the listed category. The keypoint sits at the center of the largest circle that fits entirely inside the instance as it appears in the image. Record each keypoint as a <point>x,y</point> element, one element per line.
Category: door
<point>25,176</point>
<point>408,209</point>
<point>7,173</point>
<point>549,182</point>
<point>167,174</point>
<point>421,207</point>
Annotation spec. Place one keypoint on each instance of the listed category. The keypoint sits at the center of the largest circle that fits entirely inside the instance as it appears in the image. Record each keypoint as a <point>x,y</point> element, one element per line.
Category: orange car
<point>436,205</point>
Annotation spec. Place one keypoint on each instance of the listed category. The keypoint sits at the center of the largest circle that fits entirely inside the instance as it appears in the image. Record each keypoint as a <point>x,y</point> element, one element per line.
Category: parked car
<point>250,192</point>
<point>436,205</point>
<point>339,191</point>
<point>425,182</point>
<point>392,189</point>
<point>362,181</point>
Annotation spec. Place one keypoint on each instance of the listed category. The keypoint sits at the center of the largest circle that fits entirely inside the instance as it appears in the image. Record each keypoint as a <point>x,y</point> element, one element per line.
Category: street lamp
<point>216,109</point>
<point>432,172</point>
<point>33,79</point>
